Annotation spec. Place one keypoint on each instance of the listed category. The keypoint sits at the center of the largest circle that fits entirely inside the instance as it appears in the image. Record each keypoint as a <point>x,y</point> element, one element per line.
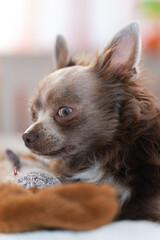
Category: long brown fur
<point>134,156</point>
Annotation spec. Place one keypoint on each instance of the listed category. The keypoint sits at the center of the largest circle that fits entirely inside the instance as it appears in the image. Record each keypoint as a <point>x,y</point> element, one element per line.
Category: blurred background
<point>28,29</point>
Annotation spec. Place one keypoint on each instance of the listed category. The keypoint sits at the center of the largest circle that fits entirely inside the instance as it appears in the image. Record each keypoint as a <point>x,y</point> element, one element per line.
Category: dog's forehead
<point>70,82</point>
<point>64,85</point>
<point>66,75</point>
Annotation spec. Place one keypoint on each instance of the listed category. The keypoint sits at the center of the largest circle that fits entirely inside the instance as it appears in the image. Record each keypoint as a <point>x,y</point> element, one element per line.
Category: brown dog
<point>101,124</point>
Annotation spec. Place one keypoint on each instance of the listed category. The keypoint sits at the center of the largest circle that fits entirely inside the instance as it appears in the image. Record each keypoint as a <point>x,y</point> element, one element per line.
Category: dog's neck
<point>90,166</point>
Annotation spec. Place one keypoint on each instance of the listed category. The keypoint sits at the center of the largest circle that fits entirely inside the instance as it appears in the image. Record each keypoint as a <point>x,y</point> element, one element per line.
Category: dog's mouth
<point>66,149</point>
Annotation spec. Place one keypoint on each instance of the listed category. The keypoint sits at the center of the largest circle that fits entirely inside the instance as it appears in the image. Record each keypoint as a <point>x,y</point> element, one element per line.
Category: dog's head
<point>76,109</point>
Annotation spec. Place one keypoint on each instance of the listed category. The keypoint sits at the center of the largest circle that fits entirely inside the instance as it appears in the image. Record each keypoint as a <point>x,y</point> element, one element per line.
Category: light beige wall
<point>19,76</point>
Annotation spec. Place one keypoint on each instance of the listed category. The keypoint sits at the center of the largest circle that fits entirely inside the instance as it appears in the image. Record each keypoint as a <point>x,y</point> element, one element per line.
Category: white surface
<point>124,230</point>
<point>12,141</point>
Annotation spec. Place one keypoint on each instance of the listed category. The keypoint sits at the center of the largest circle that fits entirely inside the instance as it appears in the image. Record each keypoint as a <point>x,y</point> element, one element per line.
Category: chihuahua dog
<point>99,124</point>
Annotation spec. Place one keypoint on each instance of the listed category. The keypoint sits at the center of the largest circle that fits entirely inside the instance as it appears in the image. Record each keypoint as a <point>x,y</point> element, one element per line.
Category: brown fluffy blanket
<point>75,206</point>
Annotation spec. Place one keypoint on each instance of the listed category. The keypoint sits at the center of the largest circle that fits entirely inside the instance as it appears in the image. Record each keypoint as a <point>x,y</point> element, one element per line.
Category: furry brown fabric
<point>70,206</point>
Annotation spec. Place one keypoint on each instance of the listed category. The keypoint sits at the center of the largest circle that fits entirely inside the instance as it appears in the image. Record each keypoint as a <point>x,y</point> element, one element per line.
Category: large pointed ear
<point>127,46</point>
<point>124,49</point>
<point>61,52</point>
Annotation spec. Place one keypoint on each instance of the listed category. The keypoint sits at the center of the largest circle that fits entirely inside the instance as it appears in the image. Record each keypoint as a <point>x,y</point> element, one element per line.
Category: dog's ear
<point>127,45</point>
<point>124,50</point>
<point>61,52</point>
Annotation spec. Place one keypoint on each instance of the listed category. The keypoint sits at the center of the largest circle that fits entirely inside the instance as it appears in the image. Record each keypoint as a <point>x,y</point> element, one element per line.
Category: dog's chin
<point>54,154</point>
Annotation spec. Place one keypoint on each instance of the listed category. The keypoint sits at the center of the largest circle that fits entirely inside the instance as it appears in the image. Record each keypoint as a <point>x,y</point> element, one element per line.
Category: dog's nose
<point>30,138</point>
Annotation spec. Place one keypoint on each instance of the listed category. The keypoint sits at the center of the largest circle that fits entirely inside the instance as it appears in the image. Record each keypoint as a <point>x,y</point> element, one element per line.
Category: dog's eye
<point>64,111</point>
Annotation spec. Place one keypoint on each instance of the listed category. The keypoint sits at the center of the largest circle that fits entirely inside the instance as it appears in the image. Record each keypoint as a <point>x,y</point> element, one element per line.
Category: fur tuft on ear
<point>61,52</point>
<point>123,52</point>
